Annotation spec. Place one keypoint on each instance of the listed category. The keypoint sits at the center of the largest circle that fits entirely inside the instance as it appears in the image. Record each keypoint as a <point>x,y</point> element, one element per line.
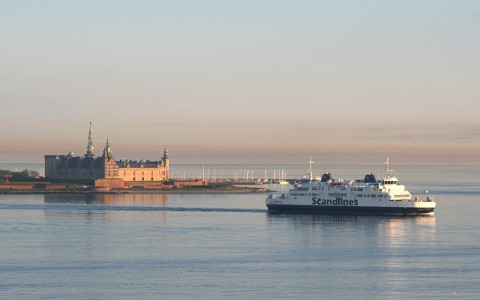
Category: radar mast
<point>310,171</point>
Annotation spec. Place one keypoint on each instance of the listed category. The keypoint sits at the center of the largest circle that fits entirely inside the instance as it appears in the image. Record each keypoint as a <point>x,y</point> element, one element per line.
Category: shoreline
<point>202,191</point>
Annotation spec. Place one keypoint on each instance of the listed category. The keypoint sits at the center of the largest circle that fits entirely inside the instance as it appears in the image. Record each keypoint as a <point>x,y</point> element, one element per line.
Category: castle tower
<point>90,152</point>
<point>107,152</point>
<point>166,157</point>
<point>166,160</point>
<point>109,164</point>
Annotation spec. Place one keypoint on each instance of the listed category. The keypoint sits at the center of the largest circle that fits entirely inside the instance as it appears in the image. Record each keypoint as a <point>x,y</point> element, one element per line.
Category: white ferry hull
<point>348,210</point>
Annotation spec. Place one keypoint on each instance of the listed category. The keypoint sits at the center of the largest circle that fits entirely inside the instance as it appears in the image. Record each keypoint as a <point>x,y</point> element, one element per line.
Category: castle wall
<point>111,168</point>
<point>58,167</point>
<point>111,183</point>
<point>63,167</point>
<point>51,166</point>
<point>143,174</point>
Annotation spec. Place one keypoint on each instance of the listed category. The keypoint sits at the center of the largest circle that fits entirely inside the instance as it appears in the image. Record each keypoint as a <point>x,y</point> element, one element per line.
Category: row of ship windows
<point>402,196</point>
<point>372,196</point>
<point>322,189</point>
<point>341,195</point>
<point>390,182</point>
<point>337,194</point>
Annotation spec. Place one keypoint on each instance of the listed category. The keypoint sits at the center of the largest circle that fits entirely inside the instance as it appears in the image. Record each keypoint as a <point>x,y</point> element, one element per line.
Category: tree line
<point>25,175</point>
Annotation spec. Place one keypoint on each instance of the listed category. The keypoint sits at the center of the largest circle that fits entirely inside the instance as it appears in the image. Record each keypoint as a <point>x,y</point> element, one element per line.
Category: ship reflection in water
<point>110,199</point>
<point>316,220</point>
<point>390,231</point>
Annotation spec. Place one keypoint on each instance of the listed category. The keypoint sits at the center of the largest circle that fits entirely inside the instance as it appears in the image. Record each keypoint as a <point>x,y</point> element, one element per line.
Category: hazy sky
<point>252,81</point>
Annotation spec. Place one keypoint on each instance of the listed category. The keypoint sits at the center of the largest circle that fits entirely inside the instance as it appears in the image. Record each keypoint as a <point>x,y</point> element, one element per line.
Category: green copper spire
<point>90,142</point>
<point>108,150</point>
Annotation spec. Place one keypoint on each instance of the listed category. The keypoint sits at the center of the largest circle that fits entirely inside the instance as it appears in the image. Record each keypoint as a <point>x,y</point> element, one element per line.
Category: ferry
<point>328,195</point>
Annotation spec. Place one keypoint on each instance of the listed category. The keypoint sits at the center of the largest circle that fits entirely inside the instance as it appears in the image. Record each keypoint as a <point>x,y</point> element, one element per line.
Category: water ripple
<point>122,208</point>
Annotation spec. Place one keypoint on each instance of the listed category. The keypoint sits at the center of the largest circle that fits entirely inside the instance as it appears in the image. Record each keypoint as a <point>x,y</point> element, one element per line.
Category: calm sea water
<point>151,246</point>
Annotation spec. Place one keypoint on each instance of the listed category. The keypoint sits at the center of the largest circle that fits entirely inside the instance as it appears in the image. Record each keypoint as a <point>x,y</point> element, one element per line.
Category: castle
<point>88,167</point>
